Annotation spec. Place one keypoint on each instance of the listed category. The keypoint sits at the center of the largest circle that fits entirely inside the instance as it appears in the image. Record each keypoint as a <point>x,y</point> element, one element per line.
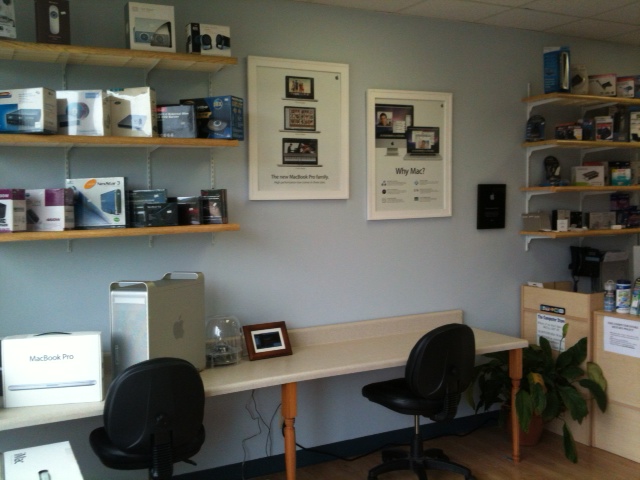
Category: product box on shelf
<point>208,39</point>
<point>603,85</point>
<point>634,125</point>
<point>604,127</point>
<point>53,21</point>
<point>588,175</point>
<point>626,86</point>
<point>133,112</point>
<point>50,209</point>
<point>137,199</point>
<point>214,206</point>
<point>163,214</point>
<point>99,202</point>
<point>54,460</point>
<point>83,112</point>
<point>219,117</point>
<point>189,210</point>
<point>556,66</point>
<point>13,208</point>
<point>176,121</point>
<point>579,79</point>
<point>7,19</point>
<point>150,27</point>
<point>620,173</point>
<point>51,368</point>
<point>28,110</point>
<point>601,220</point>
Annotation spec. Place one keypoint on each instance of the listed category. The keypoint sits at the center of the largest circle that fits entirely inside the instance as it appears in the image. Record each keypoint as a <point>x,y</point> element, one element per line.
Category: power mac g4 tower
<point>162,318</point>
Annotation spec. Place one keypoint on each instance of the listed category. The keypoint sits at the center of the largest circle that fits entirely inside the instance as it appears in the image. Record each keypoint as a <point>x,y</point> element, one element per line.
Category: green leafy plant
<point>549,386</point>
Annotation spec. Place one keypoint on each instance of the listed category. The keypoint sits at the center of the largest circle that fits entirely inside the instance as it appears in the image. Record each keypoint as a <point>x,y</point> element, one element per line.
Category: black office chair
<point>438,370</point>
<point>152,418</point>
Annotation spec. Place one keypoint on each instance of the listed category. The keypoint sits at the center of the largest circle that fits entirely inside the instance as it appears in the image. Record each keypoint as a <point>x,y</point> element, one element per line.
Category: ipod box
<point>49,209</point>
<point>13,208</point>
<point>133,112</point>
<point>99,202</point>
<point>28,110</point>
<point>208,39</point>
<point>83,112</point>
<point>7,20</point>
<point>150,27</point>
<point>219,117</point>
<point>176,121</point>
<point>51,368</point>
<point>53,23</point>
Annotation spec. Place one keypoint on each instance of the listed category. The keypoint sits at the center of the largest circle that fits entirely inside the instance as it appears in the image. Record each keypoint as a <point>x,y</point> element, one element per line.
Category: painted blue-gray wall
<point>304,262</point>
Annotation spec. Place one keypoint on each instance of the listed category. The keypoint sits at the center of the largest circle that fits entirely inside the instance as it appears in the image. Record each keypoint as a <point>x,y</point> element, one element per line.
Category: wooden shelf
<point>579,100</point>
<point>36,140</point>
<point>607,188</point>
<point>581,233</point>
<point>116,232</point>
<point>581,144</point>
<point>111,57</point>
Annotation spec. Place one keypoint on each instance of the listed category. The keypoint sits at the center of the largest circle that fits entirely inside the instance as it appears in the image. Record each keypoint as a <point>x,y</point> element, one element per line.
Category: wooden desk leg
<point>515,372</point>
<point>289,412</point>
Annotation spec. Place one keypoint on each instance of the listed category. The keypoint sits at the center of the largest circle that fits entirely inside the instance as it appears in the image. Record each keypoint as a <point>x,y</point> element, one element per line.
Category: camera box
<point>133,112</point>
<point>176,121</point>
<point>603,85</point>
<point>7,20</point>
<point>13,209</point>
<point>208,39</point>
<point>83,112</point>
<point>28,110</point>
<point>219,117</point>
<point>99,202</point>
<point>49,209</point>
<point>592,175</point>
<point>53,21</point>
<point>137,199</point>
<point>51,368</point>
<point>150,27</point>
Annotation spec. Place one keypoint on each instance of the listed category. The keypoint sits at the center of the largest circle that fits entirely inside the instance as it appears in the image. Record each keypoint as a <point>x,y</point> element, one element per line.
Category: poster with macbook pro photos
<point>298,129</point>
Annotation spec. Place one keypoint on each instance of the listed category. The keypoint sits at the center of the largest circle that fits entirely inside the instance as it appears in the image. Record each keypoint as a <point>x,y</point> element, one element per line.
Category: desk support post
<point>289,412</point>
<point>515,372</point>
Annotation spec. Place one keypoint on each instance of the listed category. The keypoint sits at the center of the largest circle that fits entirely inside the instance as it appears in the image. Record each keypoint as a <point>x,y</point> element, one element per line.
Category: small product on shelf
<point>53,21</point>
<point>13,208</point>
<point>83,112</point>
<point>150,27</point>
<point>208,39</point>
<point>50,209</point>
<point>99,202</point>
<point>133,112</point>
<point>28,110</point>
<point>176,121</point>
<point>214,206</point>
<point>219,117</point>
<point>7,19</point>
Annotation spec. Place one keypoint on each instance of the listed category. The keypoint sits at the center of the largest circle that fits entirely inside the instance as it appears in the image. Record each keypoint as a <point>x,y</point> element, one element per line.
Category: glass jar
<point>225,340</point>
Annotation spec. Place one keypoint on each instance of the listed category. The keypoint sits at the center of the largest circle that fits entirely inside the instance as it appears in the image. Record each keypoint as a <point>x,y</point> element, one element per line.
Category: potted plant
<point>549,386</point>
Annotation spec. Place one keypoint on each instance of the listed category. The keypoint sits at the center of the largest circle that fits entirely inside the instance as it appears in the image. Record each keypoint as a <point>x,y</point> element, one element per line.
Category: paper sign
<point>622,336</point>
<point>550,327</point>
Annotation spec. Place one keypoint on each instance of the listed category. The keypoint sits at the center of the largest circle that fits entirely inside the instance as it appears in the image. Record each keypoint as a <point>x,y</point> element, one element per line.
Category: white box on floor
<point>99,202</point>
<point>52,461</point>
<point>28,110</point>
<point>51,368</point>
<point>83,112</point>
<point>49,209</point>
<point>150,27</point>
<point>13,210</point>
<point>208,39</point>
<point>133,112</point>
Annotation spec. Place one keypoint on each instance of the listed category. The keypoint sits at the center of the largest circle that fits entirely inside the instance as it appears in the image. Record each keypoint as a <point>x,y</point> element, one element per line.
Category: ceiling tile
<point>375,5</point>
<point>629,14</point>
<point>631,38</point>
<point>589,28</point>
<point>462,10</point>
<point>577,8</point>
<point>528,19</point>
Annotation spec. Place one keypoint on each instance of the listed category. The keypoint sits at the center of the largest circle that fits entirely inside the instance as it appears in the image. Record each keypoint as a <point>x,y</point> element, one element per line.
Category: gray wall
<point>304,262</point>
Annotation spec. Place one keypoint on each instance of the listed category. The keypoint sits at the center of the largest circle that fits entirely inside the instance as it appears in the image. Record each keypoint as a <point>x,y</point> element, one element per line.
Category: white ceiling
<point>608,20</point>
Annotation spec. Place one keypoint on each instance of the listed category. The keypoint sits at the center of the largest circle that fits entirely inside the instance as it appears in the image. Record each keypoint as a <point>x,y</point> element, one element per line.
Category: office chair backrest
<point>440,366</point>
<point>156,400</point>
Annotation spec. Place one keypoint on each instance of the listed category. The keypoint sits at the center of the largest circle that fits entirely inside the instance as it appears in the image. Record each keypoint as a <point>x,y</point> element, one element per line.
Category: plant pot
<point>532,437</point>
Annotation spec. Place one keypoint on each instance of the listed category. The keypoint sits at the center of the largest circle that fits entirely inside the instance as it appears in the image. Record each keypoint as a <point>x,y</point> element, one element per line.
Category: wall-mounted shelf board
<point>37,140</point>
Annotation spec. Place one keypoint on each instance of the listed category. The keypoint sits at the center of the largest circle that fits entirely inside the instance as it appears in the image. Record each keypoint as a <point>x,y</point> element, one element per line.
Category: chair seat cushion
<point>396,395</point>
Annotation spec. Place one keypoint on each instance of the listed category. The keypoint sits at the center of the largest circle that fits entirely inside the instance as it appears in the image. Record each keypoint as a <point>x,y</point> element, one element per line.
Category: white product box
<point>626,86</point>
<point>150,27</point>
<point>28,110</point>
<point>208,39</point>
<point>51,369</point>
<point>99,202</point>
<point>83,112</point>
<point>133,112</point>
<point>7,20</point>
<point>604,84</point>
<point>55,460</point>
<point>601,220</point>
<point>588,175</point>
<point>49,209</point>
<point>634,126</point>
<point>13,209</point>
<point>579,79</point>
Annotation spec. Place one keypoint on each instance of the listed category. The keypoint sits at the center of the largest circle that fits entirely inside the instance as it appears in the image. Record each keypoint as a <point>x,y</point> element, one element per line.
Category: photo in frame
<point>267,340</point>
<point>299,87</point>
<point>299,118</point>
<point>300,151</point>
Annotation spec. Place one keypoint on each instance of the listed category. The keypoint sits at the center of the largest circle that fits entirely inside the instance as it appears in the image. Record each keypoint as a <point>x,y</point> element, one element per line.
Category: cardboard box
<point>219,117</point>
<point>13,210</point>
<point>604,127</point>
<point>50,209</point>
<point>163,214</point>
<point>53,21</point>
<point>603,85</point>
<point>137,199</point>
<point>626,86</point>
<point>133,112</point>
<point>189,210</point>
<point>208,39</point>
<point>556,67</point>
<point>150,27</point>
<point>620,174</point>
<point>176,121</point>
<point>600,220</point>
<point>83,112</point>
<point>7,20</point>
<point>214,206</point>
<point>28,110</point>
<point>579,79</point>
<point>51,369</point>
<point>55,460</point>
<point>634,126</point>
<point>99,202</point>
<point>593,175</point>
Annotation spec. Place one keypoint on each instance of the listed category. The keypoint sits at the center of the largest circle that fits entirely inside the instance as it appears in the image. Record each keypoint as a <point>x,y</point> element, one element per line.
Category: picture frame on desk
<point>266,340</point>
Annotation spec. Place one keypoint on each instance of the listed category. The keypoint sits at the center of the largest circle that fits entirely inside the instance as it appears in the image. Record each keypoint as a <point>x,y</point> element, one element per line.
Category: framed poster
<point>303,154</point>
<point>408,154</point>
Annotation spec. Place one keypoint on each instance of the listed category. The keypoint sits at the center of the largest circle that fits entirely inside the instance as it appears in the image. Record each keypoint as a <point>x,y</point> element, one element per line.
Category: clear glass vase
<point>225,340</point>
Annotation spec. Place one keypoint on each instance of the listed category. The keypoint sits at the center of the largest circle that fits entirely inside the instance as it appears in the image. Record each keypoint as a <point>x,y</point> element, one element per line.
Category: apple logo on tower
<point>178,328</point>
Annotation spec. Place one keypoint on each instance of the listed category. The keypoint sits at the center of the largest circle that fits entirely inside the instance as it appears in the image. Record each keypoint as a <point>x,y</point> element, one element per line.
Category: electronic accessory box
<point>176,121</point>
<point>219,117</point>
<point>53,21</point>
<point>28,110</point>
<point>13,209</point>
<point>57,459</point>
<point>51,368</point>
<point>150,27</point>
<point>49,209</point>
<point>83,112</point>
<point>7,20</point>
<point>208,39</point>
<point>99,202</point>
<point>133,112</point>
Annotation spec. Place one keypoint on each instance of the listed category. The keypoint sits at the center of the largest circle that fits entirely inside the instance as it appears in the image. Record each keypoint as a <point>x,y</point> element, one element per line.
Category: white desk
<point>318,352</point>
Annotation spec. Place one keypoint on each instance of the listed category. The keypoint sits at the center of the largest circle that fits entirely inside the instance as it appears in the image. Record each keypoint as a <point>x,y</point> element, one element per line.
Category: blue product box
<point>556,66</point>
<point>219,117</point>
